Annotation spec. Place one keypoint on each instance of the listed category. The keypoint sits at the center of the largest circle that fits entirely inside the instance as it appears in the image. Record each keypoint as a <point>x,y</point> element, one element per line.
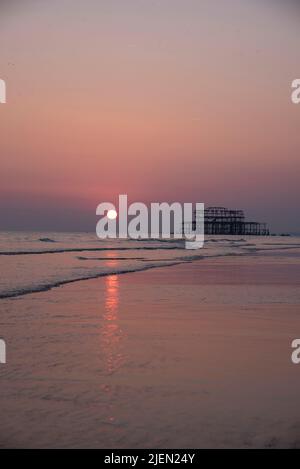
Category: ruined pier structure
<point>224,221</point>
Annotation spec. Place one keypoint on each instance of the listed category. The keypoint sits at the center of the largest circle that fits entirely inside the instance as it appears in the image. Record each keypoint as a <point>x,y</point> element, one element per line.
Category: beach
<point>193,355</point>
<point>149,227</point>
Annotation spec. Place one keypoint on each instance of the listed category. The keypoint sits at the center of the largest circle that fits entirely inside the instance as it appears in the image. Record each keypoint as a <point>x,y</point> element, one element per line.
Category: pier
<point>224,221</point>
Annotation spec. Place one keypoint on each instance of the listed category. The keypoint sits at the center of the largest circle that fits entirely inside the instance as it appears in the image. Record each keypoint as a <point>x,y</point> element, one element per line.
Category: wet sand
<point>195,355</point>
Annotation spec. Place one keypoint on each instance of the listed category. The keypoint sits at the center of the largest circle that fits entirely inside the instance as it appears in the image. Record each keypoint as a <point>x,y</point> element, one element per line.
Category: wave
<point>59,283</point>
<point>82,258</point>
<point>297,245</point>
<point>93,275</point>
<point>156,261</point>
<point>221,240</point>
<point>62,250</point>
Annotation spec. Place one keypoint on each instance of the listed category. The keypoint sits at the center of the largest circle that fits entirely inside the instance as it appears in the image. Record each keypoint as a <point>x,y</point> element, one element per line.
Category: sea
<point>38,261</point>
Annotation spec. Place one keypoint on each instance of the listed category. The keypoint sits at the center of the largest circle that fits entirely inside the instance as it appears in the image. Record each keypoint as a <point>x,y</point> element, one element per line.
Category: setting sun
<point>112,214</point>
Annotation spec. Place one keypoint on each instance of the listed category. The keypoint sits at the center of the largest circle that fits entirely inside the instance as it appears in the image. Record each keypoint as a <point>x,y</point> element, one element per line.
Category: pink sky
<point>162,100</point>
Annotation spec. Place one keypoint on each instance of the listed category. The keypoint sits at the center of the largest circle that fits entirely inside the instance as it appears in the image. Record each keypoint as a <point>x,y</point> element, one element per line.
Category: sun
<point>111,214</point>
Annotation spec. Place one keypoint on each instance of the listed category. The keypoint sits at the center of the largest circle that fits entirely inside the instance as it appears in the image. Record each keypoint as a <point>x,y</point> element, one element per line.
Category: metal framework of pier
<point>224,221</point>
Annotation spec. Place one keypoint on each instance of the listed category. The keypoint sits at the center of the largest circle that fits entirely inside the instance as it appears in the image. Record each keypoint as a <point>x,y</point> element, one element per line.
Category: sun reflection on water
<point>112,334</point>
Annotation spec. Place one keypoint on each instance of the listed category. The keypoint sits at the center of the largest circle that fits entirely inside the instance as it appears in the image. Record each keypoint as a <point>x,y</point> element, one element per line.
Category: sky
<point>163,100</point>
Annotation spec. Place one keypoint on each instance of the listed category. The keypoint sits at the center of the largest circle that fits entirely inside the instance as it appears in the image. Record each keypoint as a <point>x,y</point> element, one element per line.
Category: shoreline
<point>197,355</point>
<point>182,259</point>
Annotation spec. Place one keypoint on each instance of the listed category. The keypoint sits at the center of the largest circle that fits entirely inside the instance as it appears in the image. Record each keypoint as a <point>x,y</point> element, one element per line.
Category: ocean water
<point>33,261</point>
<point>196,355</point>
